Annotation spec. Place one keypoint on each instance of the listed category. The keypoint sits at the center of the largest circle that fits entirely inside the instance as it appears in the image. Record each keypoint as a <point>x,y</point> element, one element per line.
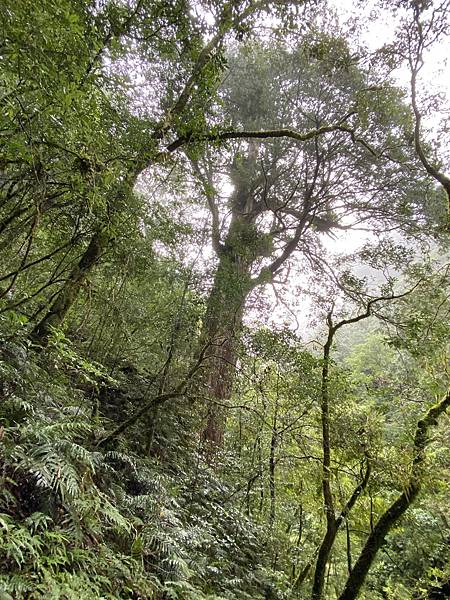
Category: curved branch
<point>416,63</point>
<point>397,509</point>
<point>333,523</point>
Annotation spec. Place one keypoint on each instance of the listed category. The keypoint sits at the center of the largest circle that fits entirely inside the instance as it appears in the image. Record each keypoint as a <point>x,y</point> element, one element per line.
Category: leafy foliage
<point>172,178</point>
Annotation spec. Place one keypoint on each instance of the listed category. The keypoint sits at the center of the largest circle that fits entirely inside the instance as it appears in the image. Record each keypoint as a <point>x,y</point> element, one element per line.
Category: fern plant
<point>77,522</point>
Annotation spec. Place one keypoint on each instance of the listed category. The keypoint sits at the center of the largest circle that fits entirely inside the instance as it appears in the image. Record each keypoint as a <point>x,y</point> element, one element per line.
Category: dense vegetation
<point>208,391</point>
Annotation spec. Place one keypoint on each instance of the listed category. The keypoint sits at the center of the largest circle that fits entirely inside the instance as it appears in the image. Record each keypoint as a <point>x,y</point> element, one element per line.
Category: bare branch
<point>416,63</point>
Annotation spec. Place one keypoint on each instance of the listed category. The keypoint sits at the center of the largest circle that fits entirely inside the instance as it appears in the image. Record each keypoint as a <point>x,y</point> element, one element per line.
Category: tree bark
<point>331,531</point>
<point>349,547</point>
<point>333,522</point>
<point>222,328</point>
<point>232,284</point>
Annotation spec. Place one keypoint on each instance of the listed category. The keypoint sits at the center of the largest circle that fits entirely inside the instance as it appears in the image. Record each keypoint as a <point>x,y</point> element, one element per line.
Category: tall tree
<point>347,168</point>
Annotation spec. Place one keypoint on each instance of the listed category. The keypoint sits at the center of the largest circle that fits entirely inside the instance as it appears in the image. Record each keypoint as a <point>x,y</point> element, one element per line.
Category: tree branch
<point>397,509</point>
<point>226,23</point>
<point>180,390</point>
<point>416,63</point>
<point>263,134</point>
<point>334,523</point>
<point>355,495</point>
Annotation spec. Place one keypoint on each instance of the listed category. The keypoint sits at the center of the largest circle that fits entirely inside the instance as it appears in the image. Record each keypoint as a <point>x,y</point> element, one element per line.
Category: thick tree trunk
<point>69,292</point>
<point>222,327</point>
<point>222,330</point>
<point>232,284</point>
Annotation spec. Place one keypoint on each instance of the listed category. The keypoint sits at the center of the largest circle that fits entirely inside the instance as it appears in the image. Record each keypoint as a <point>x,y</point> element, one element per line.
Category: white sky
<point>379,28</point>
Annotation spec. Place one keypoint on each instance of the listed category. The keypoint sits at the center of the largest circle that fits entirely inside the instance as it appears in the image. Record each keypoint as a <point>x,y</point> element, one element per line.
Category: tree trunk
<point>328,502</point>
<point>333,522</point>
<point>222,328</point>
<point>272,464</point>
<point>349,547</point>
<point>69,292</point>
<point>322,561</point>
<point>232,284</point>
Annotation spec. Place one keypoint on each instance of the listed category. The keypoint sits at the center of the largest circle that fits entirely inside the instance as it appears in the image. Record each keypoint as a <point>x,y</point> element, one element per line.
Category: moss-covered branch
<point>398,508</point>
